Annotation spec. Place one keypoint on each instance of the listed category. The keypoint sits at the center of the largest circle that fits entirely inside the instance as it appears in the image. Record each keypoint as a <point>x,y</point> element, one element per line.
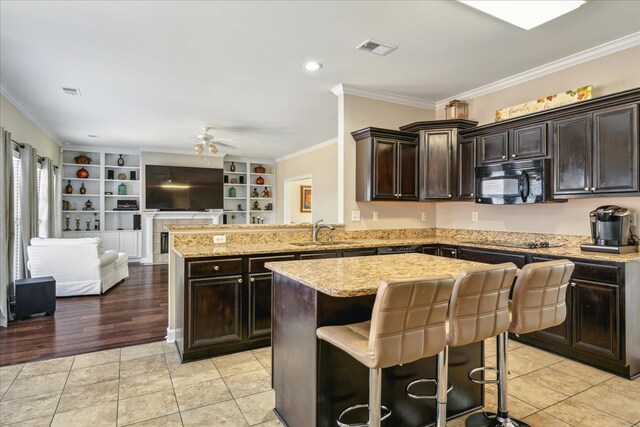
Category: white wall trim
<point>346,89</point>
<point>613,46</point>
<point>308,149</point>
<point>171,335</point>
<point>29,116</point>
<point>286,208</point>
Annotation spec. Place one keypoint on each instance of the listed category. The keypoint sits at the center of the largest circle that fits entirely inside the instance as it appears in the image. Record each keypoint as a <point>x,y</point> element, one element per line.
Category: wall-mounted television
<point>183,188</point>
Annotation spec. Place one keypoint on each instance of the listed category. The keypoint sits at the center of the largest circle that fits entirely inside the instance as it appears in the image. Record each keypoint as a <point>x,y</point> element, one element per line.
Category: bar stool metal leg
<point>501,419</point>
<point>442,387</point>
<point>375,396</point>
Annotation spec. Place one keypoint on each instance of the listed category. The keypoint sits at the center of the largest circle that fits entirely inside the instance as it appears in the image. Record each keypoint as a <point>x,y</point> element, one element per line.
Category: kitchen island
<point>315,381</point>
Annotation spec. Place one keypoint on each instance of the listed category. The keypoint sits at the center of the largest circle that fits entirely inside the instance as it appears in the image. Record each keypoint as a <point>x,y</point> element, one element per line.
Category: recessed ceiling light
<point>93,136</point>
<point>73,91</point>
<point>525,14</point>
<point>312,66</point>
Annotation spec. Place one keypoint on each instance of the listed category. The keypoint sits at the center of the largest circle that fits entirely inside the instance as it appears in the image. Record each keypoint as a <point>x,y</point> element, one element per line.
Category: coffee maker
<point>610,230</point>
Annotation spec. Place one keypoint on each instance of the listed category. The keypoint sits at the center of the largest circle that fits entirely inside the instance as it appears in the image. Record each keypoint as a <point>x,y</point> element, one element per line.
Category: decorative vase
<point>122,189</point>
<point>260,180</point>
<point>241,179</point>
<point>82,189</point>
<point>266,193</point>
<point>82,159</point>
<point>122,176</point>
<point>82,173</point>
<point>260,169</point>
<point>255,193</point>
<point>234,180</point>
<point>69,188</point>
<point>232,192</point>
<point>88,205</point>
<point>232,168</point>
<point>120,160</point>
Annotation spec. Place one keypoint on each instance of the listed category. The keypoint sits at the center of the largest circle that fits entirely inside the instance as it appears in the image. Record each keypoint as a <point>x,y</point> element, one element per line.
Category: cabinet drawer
<point>359,252</point>
<point>256,265</point>
<point>587,271</point>
<point>491,257</point>
<point>319,255</point>
<point>222,267</point>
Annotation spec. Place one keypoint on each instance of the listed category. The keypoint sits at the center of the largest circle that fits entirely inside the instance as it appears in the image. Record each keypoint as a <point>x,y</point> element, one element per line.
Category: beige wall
<point>295,216</point>
<point>355,113</point>
<point>609,74</point>
<point>25,131</point>
<point>322,165</point>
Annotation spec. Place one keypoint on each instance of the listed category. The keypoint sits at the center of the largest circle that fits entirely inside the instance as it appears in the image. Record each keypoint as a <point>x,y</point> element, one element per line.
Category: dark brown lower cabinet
<point>215,305</point>
<point>596,312</point>
<point>260,305</point>
<point>430,250</point>
<point>491,257</point>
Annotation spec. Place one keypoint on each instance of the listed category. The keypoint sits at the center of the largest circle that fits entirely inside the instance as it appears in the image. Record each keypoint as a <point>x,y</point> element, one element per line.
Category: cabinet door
<point>448,252</point>
<point>359,252</point>
<point>110,241</point>
<point>615,150</point>
<point>528,142</point>
<point>319,255</point>
<point>430,250</point>
<point>466,168</point>
<point>492,148</point>
<point>215,308</point>
<point>385,171</point>
<point>572,155</point>
<point>437,151</point>
<point>491,257</point>
<point>408,170</point>
<point>259,305</point>
<point>596,327</point>
<point>128,243</point>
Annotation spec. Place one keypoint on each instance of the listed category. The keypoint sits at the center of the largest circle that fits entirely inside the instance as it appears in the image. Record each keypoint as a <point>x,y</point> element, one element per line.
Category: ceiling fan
<point>209,142</point>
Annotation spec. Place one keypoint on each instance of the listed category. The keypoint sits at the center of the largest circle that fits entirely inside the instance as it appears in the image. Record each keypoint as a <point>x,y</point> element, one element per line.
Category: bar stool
<point>407,324</point>
<point>538,302</point>
<point>479,309</point>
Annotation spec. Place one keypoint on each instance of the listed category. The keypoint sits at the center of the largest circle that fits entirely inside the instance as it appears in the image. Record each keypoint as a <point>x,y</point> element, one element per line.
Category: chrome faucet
<point>317,227</point>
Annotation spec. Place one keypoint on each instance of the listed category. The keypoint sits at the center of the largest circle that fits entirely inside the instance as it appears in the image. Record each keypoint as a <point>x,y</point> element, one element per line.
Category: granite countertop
<point>352,277</point>
<point>194,251</point>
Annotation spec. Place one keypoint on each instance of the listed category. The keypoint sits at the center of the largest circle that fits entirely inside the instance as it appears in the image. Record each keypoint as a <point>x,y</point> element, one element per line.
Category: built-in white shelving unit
<point>107,183</point>
<point>244,207</point>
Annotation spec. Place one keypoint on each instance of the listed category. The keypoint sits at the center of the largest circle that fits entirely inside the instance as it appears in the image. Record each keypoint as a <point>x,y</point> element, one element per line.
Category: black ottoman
<point>34,296</point>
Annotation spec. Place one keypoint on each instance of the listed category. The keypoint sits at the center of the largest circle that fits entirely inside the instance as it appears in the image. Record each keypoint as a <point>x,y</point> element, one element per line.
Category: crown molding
<point>308,150</point>
<point>4,92</point>
<point>346,89</point>
<point>613,46</point>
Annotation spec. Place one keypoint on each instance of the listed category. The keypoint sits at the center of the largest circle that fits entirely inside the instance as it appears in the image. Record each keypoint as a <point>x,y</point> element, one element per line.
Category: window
<point>17,239</point>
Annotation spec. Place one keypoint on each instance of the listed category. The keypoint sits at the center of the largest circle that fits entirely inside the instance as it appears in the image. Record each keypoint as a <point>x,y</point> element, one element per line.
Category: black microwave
<point>513,183</point>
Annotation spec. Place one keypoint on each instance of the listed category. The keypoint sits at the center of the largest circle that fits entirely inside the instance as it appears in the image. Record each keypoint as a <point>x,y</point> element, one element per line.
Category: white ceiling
<point>153,73</point>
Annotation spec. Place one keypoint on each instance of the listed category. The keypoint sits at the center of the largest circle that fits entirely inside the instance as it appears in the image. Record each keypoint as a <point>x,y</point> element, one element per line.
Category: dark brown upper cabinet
<point>386,164</point>
<point>439,172</point>
<point>519,143</point>
<point>466,168</point>
<point>596,153</point>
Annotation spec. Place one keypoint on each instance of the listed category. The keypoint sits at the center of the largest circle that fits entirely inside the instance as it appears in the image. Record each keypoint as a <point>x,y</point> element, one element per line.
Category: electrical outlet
<point>423,216</point>
<point>376,216</point>
<point>474,216</point>
<point>220,239</point>
<point>355,216</point>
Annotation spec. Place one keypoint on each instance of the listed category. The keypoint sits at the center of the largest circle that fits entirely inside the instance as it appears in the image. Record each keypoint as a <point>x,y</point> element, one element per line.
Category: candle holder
<point>77,224</point>
<point>88,225</point>
<point>67,220</point>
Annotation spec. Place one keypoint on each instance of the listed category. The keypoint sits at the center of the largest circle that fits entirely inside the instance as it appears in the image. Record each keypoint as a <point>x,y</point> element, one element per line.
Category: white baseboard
<point>171,335</point>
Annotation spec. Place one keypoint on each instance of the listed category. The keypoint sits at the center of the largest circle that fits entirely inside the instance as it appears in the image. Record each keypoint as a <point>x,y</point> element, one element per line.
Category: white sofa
<point>80,266</point>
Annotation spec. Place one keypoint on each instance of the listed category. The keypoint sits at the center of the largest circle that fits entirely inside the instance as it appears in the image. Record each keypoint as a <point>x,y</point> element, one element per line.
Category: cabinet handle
<point>586,188</point>
<point>216,268</point>
<point>593,188</point>
<point>513,155</point>
<point>504,157</point>
<point>471,194</point>
<point>573,284</point>
<point>239,280</point>
<point>399,195</point>
<point>448,195</point>
<point>253,279</point>
<point>453,252</point>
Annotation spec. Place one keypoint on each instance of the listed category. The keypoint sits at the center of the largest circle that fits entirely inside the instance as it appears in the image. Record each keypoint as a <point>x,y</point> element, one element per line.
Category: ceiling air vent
<point>376,47</point>
<point>72,91</point>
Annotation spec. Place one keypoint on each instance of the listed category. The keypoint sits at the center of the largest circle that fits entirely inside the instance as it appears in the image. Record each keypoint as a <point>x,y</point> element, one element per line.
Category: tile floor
<point>146,385</point>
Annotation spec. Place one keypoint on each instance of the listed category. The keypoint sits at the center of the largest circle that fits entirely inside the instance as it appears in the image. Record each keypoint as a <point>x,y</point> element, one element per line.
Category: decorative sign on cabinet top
<point>552,101</point>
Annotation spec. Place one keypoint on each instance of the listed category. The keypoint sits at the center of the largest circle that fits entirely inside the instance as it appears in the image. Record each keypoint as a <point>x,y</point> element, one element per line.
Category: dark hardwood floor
<point>132,312</point>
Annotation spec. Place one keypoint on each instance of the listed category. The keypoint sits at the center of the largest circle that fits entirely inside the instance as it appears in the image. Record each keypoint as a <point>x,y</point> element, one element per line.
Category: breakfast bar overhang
<point>314,381</point>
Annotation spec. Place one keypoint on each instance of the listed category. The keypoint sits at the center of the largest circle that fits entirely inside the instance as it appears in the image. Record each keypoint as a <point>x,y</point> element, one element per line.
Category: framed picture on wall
<point>305,198</point>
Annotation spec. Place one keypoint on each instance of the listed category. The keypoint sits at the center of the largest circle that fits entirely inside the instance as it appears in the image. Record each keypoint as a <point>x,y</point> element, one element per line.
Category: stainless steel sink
<point>320,243</point>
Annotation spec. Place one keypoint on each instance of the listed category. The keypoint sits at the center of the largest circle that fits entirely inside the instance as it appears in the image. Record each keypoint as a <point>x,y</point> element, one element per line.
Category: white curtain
<point>48,206</point>
<point>6,223</point>
<point>28,199</point>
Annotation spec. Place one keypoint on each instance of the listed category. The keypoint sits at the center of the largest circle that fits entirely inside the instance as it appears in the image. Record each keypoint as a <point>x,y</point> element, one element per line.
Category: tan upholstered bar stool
<point>479,309</point>
<point>538,302</point>
<point>407,324</point>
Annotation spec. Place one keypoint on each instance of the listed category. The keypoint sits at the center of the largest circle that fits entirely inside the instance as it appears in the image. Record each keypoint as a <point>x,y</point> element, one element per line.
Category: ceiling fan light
<point>199,148</point>
<point>213,149</point>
